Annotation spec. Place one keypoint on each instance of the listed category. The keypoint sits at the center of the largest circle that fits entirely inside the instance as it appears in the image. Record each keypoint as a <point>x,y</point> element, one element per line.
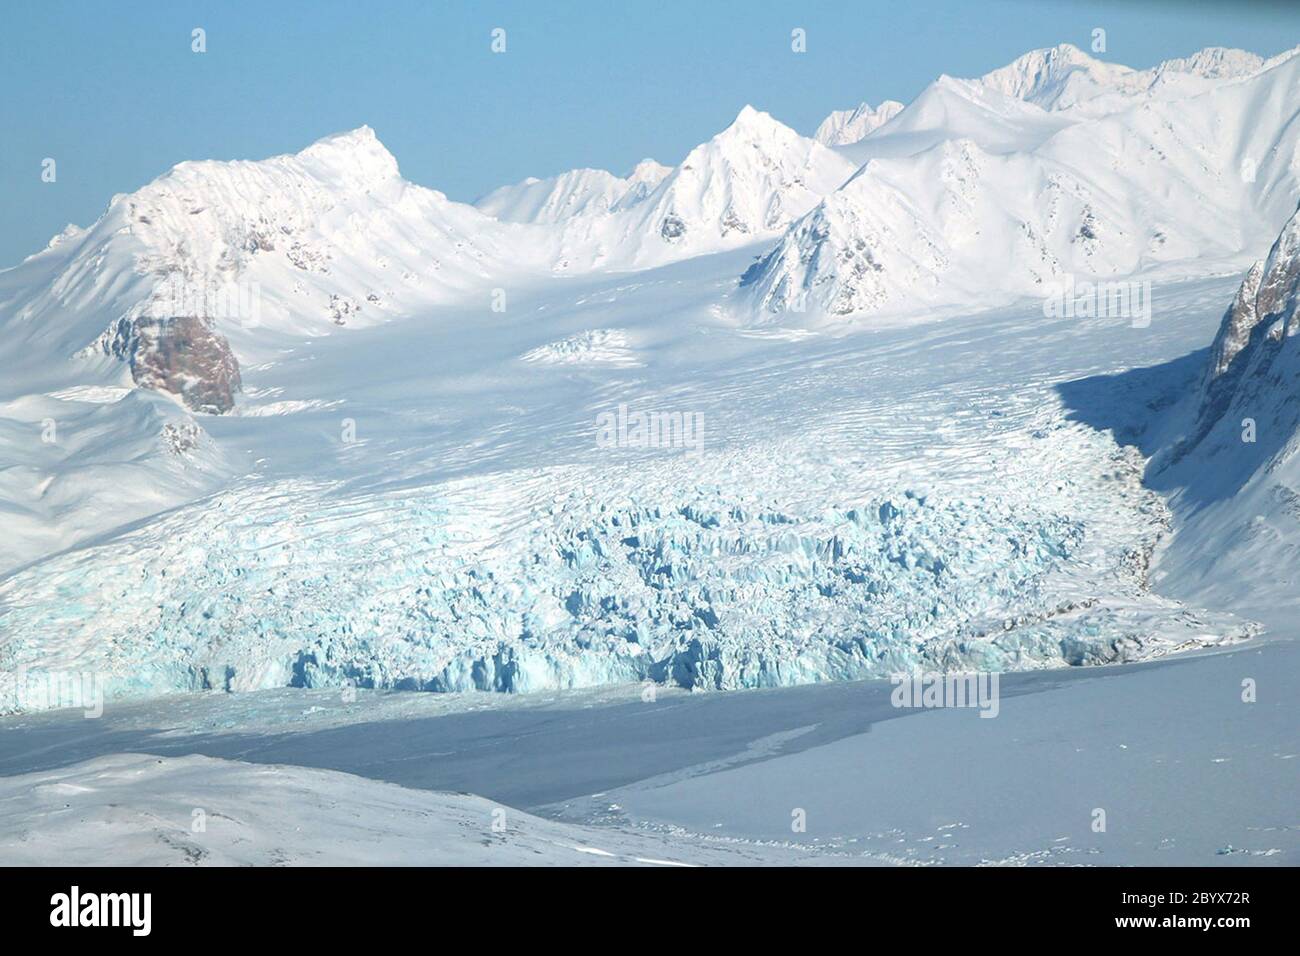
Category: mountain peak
<point>753,125</point>
<point>1216,63</point>
<point>1046,64</point>
<point>356,154</point>
<point>750,118</point>
<point>361,134</point>
<point>1068,52</point>
<point>1064,76</point>
<point>843,127</point>
<point>648,171</point>
<point>1059,77</point>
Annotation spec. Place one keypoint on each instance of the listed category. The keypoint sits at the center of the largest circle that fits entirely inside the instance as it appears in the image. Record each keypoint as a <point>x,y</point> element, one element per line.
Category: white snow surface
<point>1187,772</point>
<point>138,810</point>
<point>1064,77</point>
<point>577,192</point>
<point>974,194</point>
<point>843,127</point>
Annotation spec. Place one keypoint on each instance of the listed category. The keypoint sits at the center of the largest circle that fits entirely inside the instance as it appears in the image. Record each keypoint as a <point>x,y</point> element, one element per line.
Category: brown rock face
<point>185,356</point>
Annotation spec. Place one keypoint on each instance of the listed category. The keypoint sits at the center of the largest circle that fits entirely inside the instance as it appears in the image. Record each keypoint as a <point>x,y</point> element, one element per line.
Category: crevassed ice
<point>709,588</point>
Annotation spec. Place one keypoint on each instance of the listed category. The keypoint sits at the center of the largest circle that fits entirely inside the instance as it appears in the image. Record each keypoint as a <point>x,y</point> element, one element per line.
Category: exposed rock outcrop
<point>1250,369</point>
<point>181,355</point>
<point>186,356</point>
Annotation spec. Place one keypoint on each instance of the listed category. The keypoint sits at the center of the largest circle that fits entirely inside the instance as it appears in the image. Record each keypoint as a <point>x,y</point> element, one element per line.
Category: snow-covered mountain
<point>1064,77</point>
<point>952,219</point>
<point>578,192</point>
<point>218,251</point>
<point>745,184</point>
<point>843,127</point>
<point>331,235</point>
<point>1246,420</point>
<point>1250,371</point>
<point>748,182</point>
<point>1020,105</point>
<point>218,267</point>
<point>1227,457</point>
<point>950,109</point>
<point>183,285</point>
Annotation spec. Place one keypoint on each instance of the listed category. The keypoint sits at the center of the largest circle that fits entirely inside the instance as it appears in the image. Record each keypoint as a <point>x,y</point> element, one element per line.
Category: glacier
<point>836,538</point>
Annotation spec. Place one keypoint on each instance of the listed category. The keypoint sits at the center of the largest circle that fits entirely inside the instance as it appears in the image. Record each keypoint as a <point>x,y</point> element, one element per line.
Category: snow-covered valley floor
<point>1184,770</point>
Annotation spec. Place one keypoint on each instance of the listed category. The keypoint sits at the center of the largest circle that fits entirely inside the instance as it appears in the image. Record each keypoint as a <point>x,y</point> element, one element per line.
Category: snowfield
<point>1184,770</point>
<point>947,387</point>
<point>135,810</point>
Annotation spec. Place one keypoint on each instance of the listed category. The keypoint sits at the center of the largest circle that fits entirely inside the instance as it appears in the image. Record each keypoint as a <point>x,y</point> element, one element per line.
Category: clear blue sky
<point>113,92</point>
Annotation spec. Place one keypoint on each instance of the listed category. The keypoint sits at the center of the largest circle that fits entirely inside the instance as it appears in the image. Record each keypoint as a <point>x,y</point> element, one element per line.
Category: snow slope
<point>1156,183</point>
<point>843,127</point>
<point>578,192</point>
<point>1020,105</point>
<point>1064,77</point>
<point>1229,463</point>
<point>1186,772</point>
<point>256,256</point>
<point>332,224</point>
<point>135,810</point>
<point>749,181</point>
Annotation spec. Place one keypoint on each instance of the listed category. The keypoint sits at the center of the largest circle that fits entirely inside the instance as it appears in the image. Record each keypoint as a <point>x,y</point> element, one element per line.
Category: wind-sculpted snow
<point>602,346</point>
<point>578,192</point>
<point>1064,77</point>
<point>849,126</point>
